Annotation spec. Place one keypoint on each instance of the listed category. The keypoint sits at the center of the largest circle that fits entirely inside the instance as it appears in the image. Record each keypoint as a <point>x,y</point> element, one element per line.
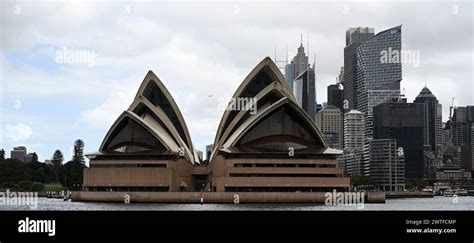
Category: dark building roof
<point>425,93</point>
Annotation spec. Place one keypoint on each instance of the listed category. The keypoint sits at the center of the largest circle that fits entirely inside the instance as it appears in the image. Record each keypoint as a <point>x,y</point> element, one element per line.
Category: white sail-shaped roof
<point>153,112</point>
<point>268,87</point>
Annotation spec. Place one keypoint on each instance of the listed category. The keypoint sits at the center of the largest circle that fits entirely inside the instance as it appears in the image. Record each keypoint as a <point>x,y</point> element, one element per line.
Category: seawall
<point>213,197</point>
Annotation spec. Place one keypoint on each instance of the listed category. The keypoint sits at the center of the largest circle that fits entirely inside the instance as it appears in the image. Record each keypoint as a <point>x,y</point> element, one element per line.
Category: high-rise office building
<point>378,72</point>
<point>472,147</point>
<point>402,121</point>
<point>305,91</point>
<point>351,162</point>
<point>384,163</point>
<point>354,37</point>
<point>461,129</point>
<point>209,149</point>
<point>298,64</point>
<point>354,137</point>
<point>432,119</point>
<point>200,155</point>
<point>329,122</point>
<point>354,140</point>
<point>335,96</point>
<point>460,125</point>
<point>466,157</point>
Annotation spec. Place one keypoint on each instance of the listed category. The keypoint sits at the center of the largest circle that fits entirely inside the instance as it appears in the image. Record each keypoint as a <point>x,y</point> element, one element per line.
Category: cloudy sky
<point>201,50</point>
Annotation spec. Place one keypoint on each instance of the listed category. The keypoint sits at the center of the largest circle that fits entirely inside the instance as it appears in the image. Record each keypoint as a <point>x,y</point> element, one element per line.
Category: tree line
<point>20,176</point>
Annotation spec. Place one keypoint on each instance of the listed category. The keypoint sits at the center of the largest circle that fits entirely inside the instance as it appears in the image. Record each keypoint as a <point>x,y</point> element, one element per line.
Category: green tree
<point>357,180</point>
<point>34,158</point>
<point>78,153</point>
<point>205,162</point>
<point>2,154</point>
<point>36,187</point>
<point>74,174</point>
<point>12,172</point>
<point>39,171</point>
<point>57,160</point>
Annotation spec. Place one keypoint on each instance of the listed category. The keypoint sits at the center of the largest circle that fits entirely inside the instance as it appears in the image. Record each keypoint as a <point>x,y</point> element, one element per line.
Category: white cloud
<point>105,114</point>
<point>201,51</point>
<point>17,133</point>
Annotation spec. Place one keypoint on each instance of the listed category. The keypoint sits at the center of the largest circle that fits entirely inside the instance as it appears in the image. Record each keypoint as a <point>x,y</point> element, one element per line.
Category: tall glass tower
<point>432,116</point>
<point>379,72</point>
<point>354,38</point>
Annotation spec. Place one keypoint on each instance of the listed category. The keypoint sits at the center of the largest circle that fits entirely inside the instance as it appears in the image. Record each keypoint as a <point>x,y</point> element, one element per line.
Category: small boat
<point>67,196</point>
<point>448,193</point>
<point>461,192</point>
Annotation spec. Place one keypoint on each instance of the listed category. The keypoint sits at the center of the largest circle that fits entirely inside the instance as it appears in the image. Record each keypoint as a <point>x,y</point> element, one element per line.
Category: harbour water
<point>436,203</point>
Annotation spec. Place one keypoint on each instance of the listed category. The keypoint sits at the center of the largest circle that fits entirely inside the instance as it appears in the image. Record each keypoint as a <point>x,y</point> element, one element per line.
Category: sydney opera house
<point>274,147</point>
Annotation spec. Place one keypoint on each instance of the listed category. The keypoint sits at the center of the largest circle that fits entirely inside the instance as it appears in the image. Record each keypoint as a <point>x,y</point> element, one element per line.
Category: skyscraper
<point>354,37</point>
<point>379,72</point>
<point>402,121</point>
<point>472,147</point>
<point>461,128</point>
<point>432,119</point>
<point>329,122</point>
<point>335,95</point>
<point>460,125</point>
<point>209,149</point>
<point>385,164</point>
<point>305,91</point>
<point>354,137</point>
<point>200,155</point>
<point>298,64</point>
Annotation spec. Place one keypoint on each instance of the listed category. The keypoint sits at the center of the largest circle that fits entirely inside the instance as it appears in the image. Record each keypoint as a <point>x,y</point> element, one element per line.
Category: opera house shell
<point>148,148</point>
<point>274,147</point>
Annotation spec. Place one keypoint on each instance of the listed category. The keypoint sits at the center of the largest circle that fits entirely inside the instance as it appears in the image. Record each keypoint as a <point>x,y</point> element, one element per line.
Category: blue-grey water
<point>436,203</point>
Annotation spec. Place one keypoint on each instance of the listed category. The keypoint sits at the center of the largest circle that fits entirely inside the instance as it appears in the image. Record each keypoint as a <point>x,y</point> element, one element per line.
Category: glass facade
<point>354,37</point>
<point>378,79</point>
<point>305,92</point>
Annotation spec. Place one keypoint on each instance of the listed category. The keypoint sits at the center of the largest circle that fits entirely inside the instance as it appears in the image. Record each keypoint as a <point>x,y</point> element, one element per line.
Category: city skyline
<point>46,105</point>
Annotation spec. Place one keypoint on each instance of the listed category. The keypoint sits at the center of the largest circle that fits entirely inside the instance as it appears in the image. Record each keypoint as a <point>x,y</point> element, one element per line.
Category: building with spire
<point>298,64</point>
<point>432,119</point>
<point>301,78</point>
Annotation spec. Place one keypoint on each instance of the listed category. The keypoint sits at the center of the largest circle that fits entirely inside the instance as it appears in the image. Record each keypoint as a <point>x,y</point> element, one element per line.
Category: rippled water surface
<point>436,203</point>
